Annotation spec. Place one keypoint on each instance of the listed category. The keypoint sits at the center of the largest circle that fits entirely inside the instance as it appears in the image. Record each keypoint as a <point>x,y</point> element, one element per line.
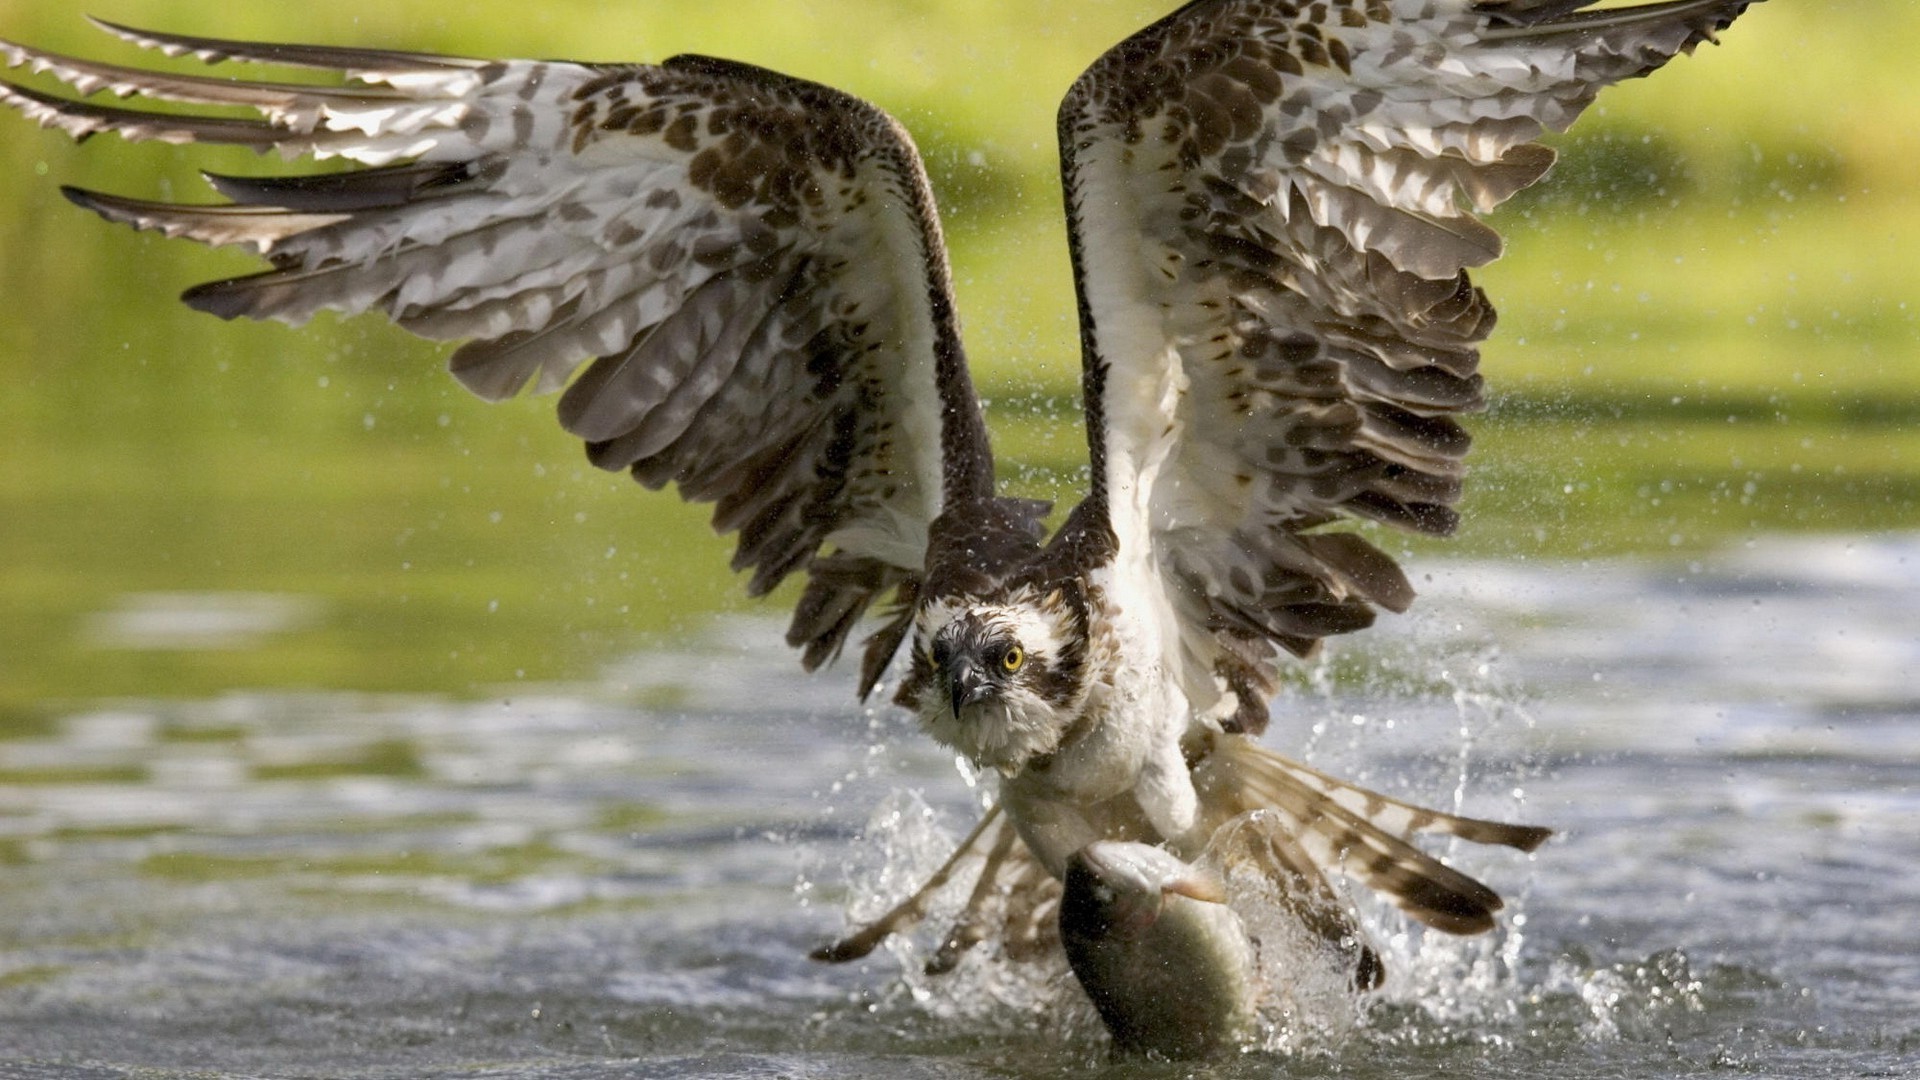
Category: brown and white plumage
<point>1273,209</point>
<point>740,281</point>
<point>747,265</point>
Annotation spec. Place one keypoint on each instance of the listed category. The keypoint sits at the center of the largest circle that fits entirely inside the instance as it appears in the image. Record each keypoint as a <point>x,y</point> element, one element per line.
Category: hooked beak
<point>966,683</point>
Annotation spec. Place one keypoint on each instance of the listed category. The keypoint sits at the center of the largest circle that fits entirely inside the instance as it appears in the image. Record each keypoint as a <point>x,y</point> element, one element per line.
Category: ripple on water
<point>566,884</point>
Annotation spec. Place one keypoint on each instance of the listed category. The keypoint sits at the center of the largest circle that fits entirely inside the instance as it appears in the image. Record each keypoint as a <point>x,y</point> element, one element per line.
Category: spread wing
<point>748,266</point>
<point>1272,210</point>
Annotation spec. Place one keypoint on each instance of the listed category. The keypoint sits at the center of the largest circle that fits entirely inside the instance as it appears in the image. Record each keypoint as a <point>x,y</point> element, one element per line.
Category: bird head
<point>1000,679</point>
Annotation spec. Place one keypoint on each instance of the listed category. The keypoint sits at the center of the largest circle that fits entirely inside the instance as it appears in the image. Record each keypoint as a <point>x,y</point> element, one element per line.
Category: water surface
<point>567,884</point>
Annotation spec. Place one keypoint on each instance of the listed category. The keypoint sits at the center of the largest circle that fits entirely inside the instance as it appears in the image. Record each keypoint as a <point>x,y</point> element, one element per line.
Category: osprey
<point>1272,211</point>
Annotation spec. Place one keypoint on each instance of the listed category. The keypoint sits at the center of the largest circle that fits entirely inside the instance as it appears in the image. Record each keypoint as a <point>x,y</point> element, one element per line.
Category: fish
<point>1166,962</point>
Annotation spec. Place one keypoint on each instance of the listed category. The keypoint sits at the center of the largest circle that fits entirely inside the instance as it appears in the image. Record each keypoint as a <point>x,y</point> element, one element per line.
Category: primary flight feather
<point>738,280</point>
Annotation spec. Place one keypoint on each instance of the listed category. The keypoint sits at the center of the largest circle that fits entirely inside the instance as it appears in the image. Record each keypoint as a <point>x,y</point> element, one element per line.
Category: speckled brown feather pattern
<point>1273,210</point>
<point>749,267</point>
<point>739,280</point>
<point>1299,177</point>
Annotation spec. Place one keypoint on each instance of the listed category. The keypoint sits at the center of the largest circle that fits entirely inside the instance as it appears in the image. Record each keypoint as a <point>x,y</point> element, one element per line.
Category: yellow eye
<point>1013,658</point>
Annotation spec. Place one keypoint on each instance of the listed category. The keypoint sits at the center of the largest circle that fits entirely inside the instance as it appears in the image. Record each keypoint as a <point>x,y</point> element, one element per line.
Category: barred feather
<point>1272,208</point>
<point>739,279</point>
<point>1337,826</point>
<point>748,265</point>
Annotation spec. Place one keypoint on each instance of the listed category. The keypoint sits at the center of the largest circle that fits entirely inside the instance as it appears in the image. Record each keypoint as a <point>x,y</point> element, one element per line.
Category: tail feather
<point>1331,825</point>
<point>1403,818</point>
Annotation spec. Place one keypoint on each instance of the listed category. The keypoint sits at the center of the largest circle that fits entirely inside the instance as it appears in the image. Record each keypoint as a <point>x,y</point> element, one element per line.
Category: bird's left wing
<point>751,264</point>
<point>1272,211</point>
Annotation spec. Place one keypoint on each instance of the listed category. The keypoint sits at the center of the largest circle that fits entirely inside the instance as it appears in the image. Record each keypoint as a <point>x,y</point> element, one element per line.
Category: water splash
<point>1429,714</point>
<point>1309,1005</point>
<point>1432,712</point>
<point>995,987</point>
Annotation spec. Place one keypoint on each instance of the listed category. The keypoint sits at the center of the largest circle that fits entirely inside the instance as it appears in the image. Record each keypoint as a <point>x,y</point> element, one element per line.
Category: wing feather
<point>748,267</point>
<point>382,65</point>
<point>1272,211</point>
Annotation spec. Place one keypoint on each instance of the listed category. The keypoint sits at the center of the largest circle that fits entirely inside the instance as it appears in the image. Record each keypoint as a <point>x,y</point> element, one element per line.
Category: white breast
<point>1128,742</point>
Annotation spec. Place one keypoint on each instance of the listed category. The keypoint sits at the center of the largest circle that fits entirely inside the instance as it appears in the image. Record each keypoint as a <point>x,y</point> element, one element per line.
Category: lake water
<point>565,884</point>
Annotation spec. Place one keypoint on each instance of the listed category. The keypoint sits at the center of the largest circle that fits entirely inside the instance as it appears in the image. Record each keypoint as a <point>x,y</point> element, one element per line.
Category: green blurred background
<point>1707,334</point>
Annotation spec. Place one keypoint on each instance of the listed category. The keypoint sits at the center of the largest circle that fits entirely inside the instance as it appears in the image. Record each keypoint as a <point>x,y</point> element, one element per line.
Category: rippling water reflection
<point>566,884</point>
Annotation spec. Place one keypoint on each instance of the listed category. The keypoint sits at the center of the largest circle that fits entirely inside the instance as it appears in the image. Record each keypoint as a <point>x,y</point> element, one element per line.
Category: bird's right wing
<point>749,266</point>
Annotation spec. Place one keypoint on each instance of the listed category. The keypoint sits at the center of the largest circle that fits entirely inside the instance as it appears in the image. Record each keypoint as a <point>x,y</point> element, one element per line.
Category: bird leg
<point>969,928</point>
<point>911,910</point>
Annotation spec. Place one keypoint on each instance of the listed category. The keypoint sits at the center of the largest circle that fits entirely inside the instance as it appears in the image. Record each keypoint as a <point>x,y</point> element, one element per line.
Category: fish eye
<point>1013,659</point>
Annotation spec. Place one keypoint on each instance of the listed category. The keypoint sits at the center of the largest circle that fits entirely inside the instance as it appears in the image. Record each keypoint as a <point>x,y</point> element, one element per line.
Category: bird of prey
<point>738,279</point>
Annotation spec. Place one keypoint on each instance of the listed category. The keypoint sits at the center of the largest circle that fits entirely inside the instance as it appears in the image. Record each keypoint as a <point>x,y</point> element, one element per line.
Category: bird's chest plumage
<point>1130,705</point>
<point>1118,772</point>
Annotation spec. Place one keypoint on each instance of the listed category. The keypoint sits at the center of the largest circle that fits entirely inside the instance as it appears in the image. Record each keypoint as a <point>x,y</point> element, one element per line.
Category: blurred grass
<point>1708,328</point>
